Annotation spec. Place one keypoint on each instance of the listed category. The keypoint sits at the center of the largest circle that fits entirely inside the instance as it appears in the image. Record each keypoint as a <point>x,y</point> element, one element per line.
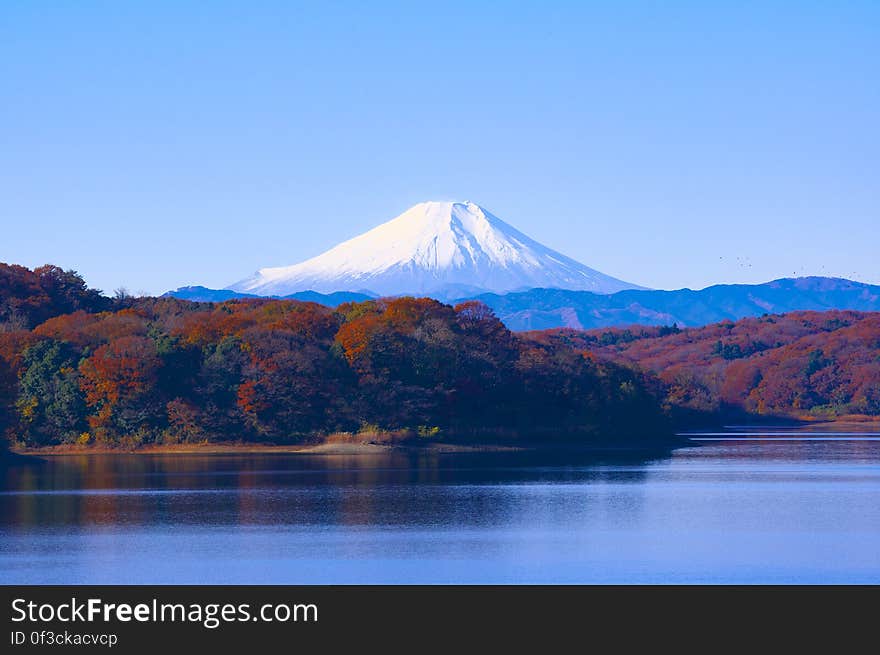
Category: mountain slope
<point>434,248</point>
<point>539,309</point>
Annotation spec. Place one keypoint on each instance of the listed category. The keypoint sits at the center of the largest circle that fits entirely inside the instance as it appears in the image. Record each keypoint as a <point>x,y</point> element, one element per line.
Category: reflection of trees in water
<point>788,449</point>
<point>418,489</point>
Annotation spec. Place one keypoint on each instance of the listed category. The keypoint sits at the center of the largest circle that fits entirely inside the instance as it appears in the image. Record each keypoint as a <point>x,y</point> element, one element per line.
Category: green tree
<point>50,405</point>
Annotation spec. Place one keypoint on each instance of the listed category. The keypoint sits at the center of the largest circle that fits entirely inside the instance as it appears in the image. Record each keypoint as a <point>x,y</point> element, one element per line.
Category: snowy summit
<point>444,249</point>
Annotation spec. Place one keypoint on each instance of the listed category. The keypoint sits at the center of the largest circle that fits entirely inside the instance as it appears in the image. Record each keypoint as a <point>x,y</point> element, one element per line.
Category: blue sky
<point>156,144</point>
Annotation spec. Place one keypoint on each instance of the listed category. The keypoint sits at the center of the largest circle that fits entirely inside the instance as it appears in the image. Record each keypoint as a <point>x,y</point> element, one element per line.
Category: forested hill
<point>76,366</point>
<point>820,364</point>
<point>163,370</point>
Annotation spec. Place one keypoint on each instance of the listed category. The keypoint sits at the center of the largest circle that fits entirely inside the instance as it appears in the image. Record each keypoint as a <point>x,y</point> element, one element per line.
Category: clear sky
<point>157,144</point>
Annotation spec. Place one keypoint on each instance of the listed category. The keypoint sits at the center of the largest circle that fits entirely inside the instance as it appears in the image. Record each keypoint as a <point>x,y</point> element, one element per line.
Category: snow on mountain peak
<point>434,248</point>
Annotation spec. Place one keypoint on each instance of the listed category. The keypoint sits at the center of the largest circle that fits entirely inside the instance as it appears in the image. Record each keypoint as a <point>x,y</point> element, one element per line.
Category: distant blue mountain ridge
<point>538,309</point>
<point>204,294</point>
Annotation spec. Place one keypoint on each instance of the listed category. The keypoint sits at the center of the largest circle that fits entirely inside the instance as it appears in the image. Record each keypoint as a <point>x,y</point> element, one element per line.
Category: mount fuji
<point>444,249</point>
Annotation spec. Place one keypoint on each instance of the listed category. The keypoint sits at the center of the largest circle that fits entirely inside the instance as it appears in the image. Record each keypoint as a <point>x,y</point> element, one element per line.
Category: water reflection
<point>394,488</point>
<point>733,511</point>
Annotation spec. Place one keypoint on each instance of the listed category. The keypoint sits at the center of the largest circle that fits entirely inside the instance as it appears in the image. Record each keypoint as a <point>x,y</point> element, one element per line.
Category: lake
<point>756,507</point>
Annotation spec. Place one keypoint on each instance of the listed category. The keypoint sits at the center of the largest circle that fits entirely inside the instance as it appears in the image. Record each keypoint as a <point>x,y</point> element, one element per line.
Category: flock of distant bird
<point>745,262</point>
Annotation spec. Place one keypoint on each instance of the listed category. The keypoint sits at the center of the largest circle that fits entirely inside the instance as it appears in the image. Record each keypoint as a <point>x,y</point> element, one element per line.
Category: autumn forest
<point>79,367</point>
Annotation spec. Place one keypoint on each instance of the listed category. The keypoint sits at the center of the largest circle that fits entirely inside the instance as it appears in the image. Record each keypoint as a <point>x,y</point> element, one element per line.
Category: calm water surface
<point>754,509</point>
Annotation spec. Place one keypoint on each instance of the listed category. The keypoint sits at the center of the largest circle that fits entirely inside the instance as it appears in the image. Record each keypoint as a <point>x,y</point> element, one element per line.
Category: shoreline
<point>258,449</point>
<point>350,445</point>
<point>350,448</point>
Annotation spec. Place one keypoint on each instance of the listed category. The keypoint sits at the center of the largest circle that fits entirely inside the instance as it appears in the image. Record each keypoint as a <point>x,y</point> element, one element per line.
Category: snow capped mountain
<point>444,249</point>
